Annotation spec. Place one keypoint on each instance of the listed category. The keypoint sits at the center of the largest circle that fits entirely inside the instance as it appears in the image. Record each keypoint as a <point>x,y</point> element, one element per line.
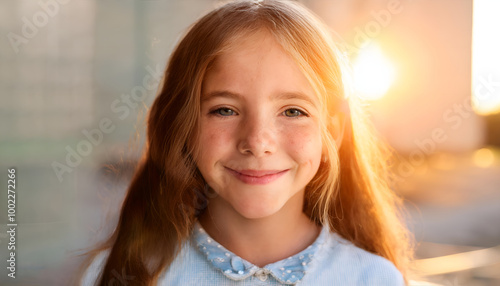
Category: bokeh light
<point>484,158</point>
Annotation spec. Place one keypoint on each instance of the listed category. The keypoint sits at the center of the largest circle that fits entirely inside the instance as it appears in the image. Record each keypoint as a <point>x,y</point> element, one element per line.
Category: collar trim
<point>290,270</point>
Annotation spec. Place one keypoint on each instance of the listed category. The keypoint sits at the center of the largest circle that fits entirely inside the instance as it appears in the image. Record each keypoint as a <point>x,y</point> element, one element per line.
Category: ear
<point>337,125</point>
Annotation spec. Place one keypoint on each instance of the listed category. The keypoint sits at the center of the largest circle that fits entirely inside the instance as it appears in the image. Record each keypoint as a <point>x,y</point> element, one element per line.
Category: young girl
<point>259,169</point>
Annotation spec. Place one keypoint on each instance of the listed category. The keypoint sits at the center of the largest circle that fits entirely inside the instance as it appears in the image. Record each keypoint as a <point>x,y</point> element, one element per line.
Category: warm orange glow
<point>373,73</point>
<point>484,158</point>
<point>486,57</point>
<point>443,161</point>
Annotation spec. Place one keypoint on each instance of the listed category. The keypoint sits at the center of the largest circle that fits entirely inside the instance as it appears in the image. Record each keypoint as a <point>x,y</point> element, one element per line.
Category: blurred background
<point>77,77</point>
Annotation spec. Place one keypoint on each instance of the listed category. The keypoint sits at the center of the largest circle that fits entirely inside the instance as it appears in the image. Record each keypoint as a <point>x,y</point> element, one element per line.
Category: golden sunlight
<point>373,73</point>
<point>486,57</point>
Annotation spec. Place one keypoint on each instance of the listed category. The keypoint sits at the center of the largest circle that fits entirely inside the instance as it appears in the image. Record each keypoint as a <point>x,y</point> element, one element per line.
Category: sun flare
<point>373,73</point>
<point>485,57</point>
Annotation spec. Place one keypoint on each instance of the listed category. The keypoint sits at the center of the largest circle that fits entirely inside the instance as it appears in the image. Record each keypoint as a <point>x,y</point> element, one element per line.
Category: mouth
<point>257,177</point>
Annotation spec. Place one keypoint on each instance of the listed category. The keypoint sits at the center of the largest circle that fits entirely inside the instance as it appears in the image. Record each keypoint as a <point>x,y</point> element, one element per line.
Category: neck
<point>263,240</point>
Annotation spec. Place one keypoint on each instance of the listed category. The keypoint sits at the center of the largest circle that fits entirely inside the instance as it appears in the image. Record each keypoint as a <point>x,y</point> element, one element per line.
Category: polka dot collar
<point>287,271</point>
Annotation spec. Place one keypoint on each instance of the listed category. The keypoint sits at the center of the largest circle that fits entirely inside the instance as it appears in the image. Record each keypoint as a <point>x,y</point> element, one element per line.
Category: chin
<point>258,209</point>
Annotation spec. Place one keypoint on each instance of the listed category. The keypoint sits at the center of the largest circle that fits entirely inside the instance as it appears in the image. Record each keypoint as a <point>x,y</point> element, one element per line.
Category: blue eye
<point>223,111</point>
<point>293,112</point>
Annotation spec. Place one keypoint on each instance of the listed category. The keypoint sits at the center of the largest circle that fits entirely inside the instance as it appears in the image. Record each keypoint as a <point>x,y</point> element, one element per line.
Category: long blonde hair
<point>350,190</point>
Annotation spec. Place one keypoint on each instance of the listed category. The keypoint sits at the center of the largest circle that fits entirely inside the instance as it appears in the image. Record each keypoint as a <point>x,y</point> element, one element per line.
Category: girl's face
<point>260,140</point>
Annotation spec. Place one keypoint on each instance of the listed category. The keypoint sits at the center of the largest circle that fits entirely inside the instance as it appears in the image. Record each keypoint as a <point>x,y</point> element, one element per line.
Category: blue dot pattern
<point>287,271</point>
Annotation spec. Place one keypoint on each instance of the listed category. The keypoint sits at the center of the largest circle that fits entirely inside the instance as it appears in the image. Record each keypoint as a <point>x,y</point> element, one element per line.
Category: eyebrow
<point>280,96</point>
<point>219,93</point>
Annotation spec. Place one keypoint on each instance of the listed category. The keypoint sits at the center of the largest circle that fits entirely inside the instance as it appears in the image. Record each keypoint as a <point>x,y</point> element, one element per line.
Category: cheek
<point>213,142</point>
<point>304,144</point>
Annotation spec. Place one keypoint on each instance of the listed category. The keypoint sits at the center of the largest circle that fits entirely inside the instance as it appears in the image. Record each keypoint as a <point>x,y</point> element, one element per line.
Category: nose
<point>257,136</point>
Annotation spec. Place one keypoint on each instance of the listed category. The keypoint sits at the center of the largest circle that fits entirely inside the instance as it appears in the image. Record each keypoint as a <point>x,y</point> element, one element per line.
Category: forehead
<point>246,47</point>
<point>256,63</point>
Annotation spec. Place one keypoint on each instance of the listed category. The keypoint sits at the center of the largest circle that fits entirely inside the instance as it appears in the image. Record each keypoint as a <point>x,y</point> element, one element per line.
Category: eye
<point>223,111</point>
<point>293,112</point>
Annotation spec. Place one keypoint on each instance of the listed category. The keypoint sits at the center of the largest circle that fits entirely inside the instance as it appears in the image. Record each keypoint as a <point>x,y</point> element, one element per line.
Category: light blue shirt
<point>330,260</point>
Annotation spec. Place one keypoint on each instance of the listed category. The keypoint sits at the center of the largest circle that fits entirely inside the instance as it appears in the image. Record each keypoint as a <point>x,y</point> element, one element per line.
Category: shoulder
<point>187,265</point>
<point>94,270</point>
<point>348,264</point>
<point>190,267</point>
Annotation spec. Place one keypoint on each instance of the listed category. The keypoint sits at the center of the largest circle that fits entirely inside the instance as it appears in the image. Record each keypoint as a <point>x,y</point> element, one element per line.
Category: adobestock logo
<point>30,27</point>
<point>453,118</point>
<point>120,278</point>
<point>200,200</point>
<point>365,33</point>
<point>122,108</point>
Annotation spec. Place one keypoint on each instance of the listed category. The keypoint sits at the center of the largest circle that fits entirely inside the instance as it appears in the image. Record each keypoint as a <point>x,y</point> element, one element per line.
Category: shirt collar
<point>287,271</point>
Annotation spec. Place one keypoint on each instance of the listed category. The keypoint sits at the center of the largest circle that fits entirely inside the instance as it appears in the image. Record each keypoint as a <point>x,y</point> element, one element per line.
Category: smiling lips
<point>257,177</point>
